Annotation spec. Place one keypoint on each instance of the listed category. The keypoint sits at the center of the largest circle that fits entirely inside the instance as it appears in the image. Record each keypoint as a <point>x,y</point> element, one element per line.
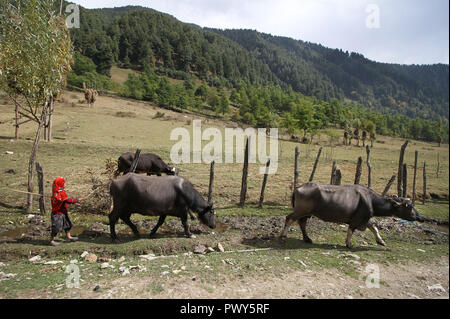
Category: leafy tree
<point>35,57</point>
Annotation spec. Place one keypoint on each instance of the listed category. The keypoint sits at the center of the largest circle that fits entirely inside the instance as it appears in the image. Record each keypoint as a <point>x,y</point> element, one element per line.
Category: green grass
<point>84,139</point>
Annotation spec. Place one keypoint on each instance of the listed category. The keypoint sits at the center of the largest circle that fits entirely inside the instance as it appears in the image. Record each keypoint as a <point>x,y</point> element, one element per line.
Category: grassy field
<point>84,139</point>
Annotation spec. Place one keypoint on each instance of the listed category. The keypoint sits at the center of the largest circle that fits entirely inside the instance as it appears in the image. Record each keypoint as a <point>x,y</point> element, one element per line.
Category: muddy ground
<point>292,269</point>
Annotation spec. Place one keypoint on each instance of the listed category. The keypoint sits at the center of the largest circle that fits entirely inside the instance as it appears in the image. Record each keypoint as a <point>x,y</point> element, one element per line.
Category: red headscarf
<point>58,193</point>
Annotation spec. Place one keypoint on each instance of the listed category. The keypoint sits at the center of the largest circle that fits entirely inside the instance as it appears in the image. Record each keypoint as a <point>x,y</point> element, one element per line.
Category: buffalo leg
<point>187,232</point>
<point>302,222</point>
<point>133,227</point>
<point>113,217</point>
<point>374,230</point>
<point>289,220</point>
<point>161,220</point>
<point>348,242</point>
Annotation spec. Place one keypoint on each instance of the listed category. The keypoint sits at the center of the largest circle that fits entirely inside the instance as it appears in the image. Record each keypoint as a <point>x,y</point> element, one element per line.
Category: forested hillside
<point>276,74</point>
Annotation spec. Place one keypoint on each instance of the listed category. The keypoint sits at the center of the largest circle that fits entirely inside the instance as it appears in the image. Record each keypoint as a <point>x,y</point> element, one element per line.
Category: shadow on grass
<point>100,238</point>
<point>5,205</point>
<point>296,243</point>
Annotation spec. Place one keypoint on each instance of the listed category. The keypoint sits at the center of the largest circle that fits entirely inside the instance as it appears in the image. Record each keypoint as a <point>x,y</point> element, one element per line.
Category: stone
<point>210,250</point>
<point>220,247</point>
<point>91,258</point>
<point>165,273</point>
<point>199,249</point>
<point>84,254</point>
<point>148,257</point>
<point>176,271</point>
<point>34,259</point>
<point>96,288</point>
<point>104,266</point>
<point>437,287</point>
<point>421,250</point>
<point>9,153</point>
<point>7,276</point>
<point>348,255</point>
<point>121,259</point>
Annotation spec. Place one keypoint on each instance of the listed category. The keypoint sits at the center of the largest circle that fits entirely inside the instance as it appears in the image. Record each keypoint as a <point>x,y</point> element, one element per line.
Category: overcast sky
<point>393,31</point>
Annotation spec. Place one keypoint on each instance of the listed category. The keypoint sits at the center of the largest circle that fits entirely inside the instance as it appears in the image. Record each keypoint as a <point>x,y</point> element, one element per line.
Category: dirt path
<point>410,281</point>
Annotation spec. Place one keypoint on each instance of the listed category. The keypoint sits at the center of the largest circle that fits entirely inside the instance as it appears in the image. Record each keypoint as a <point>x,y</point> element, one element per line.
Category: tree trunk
<point>40,174</point>
<point>16,134</point>
<point>50,120</point>
<point>31,162</point>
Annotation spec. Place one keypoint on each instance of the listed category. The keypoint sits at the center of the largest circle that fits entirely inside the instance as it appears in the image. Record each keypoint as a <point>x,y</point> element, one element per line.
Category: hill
<point>136,36</point>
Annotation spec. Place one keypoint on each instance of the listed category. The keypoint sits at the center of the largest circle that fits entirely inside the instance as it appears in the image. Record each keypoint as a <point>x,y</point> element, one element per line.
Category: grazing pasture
<point>85,139</point>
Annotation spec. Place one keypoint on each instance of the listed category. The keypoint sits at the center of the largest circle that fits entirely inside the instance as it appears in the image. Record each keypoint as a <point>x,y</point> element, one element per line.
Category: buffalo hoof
<point>307,240</point>
<point>382,243</point>
<point>349,246</point>
<point>137,236</point>
<point>282,239</point>
<point>191,236</point>
<point>152,235</point>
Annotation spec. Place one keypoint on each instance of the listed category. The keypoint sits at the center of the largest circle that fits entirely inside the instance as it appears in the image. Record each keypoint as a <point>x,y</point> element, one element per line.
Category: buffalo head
<point>404,209</point>
<point>208,216</point>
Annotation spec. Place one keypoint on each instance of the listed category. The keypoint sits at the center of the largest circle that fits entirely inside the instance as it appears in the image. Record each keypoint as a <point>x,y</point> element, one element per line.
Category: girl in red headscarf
<point>60,214</point>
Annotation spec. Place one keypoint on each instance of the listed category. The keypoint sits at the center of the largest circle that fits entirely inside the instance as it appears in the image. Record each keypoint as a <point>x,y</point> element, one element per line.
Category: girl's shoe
<point>54,243</point>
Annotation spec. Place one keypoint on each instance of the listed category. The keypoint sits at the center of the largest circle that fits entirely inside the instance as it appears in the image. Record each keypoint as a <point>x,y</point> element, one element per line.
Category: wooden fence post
<point>358,170</point>
<point>416,155</point>
<point>400,169</point>
<point>405,181</point>
<point>261,197</point>
<point>333,173</point>
<point>244,175</point>
<point>315,165</point>
<point>424,182</point>
<point>337,176</point>
<point>40,175</point>
<point>388,186</point>
<point>135,161</point>
<point>296,169</point>
<point>369,167</point>
<point>438,166</point>
<point>211,180</point>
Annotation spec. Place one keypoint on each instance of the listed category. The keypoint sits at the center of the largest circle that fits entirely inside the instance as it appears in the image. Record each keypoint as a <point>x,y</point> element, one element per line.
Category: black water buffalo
<point>354,205</point>
<point>157,196</point>
<point>148,163</point>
